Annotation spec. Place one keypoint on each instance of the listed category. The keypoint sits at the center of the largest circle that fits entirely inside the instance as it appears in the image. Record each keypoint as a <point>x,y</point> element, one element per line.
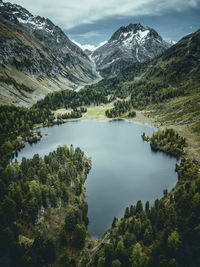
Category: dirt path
<point>91,252</point>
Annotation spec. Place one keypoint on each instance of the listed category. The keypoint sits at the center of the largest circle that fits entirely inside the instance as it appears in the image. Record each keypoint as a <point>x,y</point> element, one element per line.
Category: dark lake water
<point>124,168</point>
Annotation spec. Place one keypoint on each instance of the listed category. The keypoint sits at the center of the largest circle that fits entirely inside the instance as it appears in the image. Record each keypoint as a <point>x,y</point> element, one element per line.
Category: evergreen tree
<point>139,206</point>
<point>127,213</point>
<point>79,236</point>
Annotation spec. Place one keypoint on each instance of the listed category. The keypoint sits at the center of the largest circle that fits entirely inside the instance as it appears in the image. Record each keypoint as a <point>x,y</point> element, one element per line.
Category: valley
<point>67,115</point>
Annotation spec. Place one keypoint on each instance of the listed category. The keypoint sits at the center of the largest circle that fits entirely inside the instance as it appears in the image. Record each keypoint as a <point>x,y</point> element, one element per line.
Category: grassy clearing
<point>97,112</point>
<point>93,112</point>
<point>183,115</point>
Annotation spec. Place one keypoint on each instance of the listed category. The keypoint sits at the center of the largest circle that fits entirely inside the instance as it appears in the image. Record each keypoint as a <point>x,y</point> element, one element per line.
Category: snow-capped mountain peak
<point>171,42</point>
<point>89,47</point>
<point>128,45</point>
<point>130,37</point>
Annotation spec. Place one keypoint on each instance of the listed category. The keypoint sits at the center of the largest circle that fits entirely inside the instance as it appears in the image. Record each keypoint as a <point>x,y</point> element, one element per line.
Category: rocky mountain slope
<point>128,45</point>
<point>34,49</point>
<point>178,65</point>
<point>181,62</point>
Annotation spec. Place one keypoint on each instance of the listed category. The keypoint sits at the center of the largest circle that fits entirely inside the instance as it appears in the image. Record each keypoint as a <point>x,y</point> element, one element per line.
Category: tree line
<point>121,108</point>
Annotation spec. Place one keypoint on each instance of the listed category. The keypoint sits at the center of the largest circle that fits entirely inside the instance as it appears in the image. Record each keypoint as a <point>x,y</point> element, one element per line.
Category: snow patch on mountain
<point>113,61</point>
<point>48,51</point>
<point>136,54</point>
<point>138,37</point>
<point>85,46</point>
<point>172,42</point>
<point>128,45</point>
<point>35,23</point>
<point>88,46</point>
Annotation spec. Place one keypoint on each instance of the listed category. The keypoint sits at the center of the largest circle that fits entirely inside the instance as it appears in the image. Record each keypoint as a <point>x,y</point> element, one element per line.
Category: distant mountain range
<point>89,48</point>
<point>36,57</point>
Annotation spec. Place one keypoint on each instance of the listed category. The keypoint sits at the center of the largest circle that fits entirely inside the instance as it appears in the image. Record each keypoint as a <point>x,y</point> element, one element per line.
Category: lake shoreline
<point>102,142</point>
<point>97,113</point>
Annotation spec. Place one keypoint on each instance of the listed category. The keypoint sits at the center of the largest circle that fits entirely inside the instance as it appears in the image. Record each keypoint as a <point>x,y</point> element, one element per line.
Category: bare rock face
<point>128,45</point>
<point>34,45</point>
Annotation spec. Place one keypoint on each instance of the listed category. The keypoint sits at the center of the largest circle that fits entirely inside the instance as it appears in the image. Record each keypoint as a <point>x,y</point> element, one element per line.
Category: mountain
<point>178,65</point>
<point>38,56</point>
<point>87,48</point>
<point>172,42</point>
<point>128,45</point>
<point>167,86</point>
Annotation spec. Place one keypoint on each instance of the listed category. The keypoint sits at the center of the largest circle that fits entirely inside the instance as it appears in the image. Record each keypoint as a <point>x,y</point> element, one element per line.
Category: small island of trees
<point>168,141</point>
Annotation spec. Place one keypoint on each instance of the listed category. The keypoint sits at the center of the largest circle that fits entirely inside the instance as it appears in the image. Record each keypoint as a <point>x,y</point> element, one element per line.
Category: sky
<point>90,22</point>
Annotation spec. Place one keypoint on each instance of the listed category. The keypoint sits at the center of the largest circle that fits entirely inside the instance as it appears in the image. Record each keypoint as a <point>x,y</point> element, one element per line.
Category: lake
<point>124,168</point>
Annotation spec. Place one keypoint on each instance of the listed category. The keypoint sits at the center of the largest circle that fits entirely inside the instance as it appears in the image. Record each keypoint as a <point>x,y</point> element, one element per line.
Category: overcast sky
<point>94,21</point>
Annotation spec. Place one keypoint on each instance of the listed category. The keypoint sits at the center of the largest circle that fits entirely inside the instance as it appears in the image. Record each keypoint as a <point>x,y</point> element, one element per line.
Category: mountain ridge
<point>128,45</point>
<point>34,46</point>
<point>167,88</point>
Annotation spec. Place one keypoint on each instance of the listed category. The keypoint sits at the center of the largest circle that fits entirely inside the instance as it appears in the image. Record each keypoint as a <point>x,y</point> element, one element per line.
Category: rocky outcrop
<point>128,45</point>
<point>33,46</point>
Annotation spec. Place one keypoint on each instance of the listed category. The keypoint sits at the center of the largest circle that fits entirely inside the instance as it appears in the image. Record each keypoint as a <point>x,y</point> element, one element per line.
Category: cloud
<point>69,14</point>
<point>89,34</point>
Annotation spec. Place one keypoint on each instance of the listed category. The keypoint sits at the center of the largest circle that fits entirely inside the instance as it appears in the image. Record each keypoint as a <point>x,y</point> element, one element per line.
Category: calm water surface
<point>124,168</point>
